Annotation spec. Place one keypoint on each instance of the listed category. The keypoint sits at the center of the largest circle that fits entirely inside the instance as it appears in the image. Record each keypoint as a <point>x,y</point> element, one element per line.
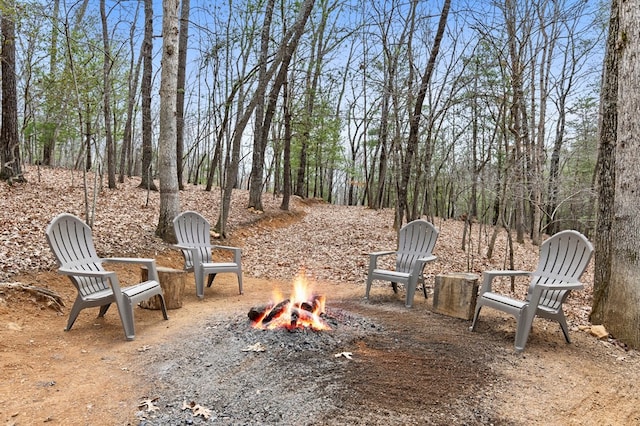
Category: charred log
<point>276,311</point>
<point>256,313</point>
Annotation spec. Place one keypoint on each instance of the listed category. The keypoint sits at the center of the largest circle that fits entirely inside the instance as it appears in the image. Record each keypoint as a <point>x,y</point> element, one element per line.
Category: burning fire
<point>302,310</point>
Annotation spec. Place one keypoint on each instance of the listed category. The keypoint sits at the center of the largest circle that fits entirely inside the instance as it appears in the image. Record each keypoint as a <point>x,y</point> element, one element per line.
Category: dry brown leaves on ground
<point>126,218</point>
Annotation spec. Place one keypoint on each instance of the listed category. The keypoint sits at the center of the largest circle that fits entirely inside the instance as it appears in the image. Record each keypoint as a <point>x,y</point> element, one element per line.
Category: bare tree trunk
<point>147,71</point>
<point>286,160</point>
<point>261,129</point>
<point>554,169</point>
<point>518,127</point>
<point>414,126</point>
<point>271,108</point>
<point>221,131</point>
<point>167,161</point>
<point>87,144</point>
<point>568,76</point>
<point>390,66</point>
<point>606,173</point>
<point>311,86</point>
<point>48,146</point>
<point>312,78</point>
<point>10,161</point>
<point>106,75</point>
<point>390,93</point>
<point>127,143</point>
<point>182,67</point>
<point>537,150</point>
<point>622,302</point>
<point>501,183</point>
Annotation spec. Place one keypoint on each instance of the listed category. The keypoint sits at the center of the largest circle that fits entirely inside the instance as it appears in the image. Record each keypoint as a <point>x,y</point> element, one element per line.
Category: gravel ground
<point>292,377</point>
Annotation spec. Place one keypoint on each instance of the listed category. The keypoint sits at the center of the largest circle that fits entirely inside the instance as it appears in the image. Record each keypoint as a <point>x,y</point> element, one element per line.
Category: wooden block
<point>455,295</point>
<point>172,282</point>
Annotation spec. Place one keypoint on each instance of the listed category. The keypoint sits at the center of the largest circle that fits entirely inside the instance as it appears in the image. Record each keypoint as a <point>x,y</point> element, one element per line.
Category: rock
<point>599,331</point>
<point>13,326</point>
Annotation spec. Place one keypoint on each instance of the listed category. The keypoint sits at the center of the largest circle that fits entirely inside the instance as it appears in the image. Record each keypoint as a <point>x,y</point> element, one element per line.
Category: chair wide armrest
<point>382,253</point>
<point>427,259</point>
<point>225,248</point>
<point>82,273</point>
<point>237,252</point>
<point>506,273</point>
<point>377,254</point>
<point>373,258</point>
<point>488,276</point>
<point>537,290</point>
<point>561,286</point>
<point>419,264</point>
<point>149,263</point>
<point>187,246</point>
<point>135,260</point>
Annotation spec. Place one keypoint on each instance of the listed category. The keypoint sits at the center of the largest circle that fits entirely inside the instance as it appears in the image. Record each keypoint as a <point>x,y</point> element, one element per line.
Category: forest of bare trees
<point>486,112</point>
<point>505,128</point>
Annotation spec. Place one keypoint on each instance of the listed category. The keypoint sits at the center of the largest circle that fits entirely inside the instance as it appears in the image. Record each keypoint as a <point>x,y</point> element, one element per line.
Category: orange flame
<point>302,310</point>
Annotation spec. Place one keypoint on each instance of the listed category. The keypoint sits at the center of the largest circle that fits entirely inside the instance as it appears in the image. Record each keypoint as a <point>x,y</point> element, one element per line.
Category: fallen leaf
<point>149,404</point>
<point>196,409</point>
<point>256,347</point>
<point>347,355</point>
<point>199,410</point>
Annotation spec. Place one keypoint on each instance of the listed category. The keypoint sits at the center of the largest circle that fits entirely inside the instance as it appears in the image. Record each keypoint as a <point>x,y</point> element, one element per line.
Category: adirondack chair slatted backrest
<point>416,239</point>
<point>72,244</point>
<point>563,257</point>
<point>193,230</point>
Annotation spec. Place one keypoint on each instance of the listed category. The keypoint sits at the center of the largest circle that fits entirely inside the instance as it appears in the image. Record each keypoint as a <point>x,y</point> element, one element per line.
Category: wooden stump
<point>172,282</point>
<point>455,295</point>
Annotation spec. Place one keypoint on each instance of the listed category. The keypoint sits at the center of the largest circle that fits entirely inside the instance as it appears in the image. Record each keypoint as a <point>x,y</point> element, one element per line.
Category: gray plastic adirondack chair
<point>194,239</point>
<point>71,241</point>
<point>416,240</point>
<point>563,259</point>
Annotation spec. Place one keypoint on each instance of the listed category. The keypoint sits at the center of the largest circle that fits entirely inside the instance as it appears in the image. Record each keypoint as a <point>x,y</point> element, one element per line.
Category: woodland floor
<point>408,366</point>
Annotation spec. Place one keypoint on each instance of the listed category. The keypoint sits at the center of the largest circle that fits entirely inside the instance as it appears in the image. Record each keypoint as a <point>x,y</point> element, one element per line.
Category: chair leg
<point>240,282</point>
<point>563,325</point>
<point>372,265</point>
<point>199,277</point>
<point>163,306</point>
<point>103,310</point>
<point>126,316</point>
<point>525,321</point>
<point>210,279</point>
<point>73,315</point>
<point>411,291</point>
<point>475,317</point>
<point>368,288</point>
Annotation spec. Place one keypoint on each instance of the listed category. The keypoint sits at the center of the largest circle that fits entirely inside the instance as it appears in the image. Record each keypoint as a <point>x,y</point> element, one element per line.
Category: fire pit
<point>302,310</point>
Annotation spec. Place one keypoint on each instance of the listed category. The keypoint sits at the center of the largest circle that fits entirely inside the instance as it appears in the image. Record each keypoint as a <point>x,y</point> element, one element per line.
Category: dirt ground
<point>416,367</point>
<point>407,366</point>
